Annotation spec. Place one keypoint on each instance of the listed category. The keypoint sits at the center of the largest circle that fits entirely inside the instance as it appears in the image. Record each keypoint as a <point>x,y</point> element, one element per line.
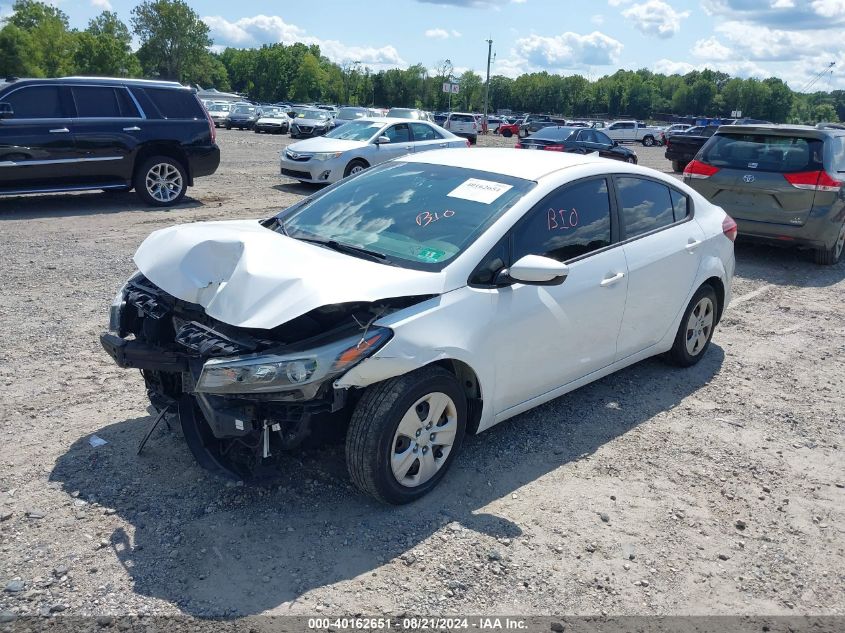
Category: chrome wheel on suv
<point>161,181</point>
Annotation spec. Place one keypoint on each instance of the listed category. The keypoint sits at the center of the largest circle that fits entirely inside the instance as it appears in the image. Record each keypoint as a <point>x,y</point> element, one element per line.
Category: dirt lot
<point>721,485</point>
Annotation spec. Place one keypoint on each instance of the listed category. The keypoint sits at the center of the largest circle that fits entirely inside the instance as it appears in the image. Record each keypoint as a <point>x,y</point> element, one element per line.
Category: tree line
<point>36,41</point>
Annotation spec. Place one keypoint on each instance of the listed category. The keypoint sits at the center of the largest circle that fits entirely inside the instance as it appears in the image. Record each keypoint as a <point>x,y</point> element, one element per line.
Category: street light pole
<point>487,88</point>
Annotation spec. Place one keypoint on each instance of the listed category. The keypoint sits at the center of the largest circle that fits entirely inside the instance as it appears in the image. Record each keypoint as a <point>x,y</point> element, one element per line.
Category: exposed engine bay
<point>243,394</point>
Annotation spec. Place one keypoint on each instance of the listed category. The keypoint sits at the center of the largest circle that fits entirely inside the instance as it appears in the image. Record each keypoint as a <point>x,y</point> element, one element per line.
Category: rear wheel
<point>696,329</point>
<point>161,181</point>
<point>648,141</point>
<point>473,140</point>
<point>405,433</point>
<point>832,255</point>
<point>507,133</point>
<point>676,166</point>
<point>632,160</point>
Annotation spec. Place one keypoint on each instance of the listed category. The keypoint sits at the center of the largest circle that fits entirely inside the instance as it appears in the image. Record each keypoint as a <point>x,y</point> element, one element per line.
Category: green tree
<point>104,48</point>
<point>174,41</point>
<point>308,84</point>
<point>15,53</point>
<point>50,42</point>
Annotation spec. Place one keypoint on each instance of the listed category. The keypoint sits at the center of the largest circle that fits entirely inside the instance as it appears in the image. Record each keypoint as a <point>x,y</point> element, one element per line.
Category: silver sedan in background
<point>359,144</point>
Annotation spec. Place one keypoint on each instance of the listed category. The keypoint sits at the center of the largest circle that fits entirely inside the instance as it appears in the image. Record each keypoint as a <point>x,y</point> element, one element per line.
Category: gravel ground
<point>712,490</point>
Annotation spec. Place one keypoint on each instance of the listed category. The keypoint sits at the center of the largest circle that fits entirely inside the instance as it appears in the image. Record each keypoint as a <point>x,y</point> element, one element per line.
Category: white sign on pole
<point>451,88</point>
<point>447,87</point>
<point>736,114</point>
<point>455,89</point>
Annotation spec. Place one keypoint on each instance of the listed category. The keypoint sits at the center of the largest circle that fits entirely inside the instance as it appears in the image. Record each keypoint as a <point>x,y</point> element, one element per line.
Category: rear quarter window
<point>837,153</point>
<point>763,152</point>
<point>175,104</point>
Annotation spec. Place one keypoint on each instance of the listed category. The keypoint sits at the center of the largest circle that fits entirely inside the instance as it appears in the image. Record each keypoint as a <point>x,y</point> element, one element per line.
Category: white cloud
<point>105,5</point>
<point>787,14</point>
<point>711,49</point>
<point>437,34</point>
<point>597,19</point>
<point>566,51</point>
<point>655,17</point>
<point>735,69</point>
<point>270,29</point>
<point>669,67</point>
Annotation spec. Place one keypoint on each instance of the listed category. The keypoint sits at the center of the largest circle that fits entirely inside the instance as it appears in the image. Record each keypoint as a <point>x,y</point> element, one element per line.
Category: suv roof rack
<point>10,79</point>
<point>826,125</point>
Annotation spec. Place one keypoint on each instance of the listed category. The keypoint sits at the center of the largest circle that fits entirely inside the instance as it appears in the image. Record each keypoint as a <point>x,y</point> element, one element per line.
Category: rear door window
<point>571,222</point>
<point>36,102</point>
<point>644,205</point>
<point>96,102</point>
<point>763,152</point>
<point>423,132</point>
<point>175,104</point>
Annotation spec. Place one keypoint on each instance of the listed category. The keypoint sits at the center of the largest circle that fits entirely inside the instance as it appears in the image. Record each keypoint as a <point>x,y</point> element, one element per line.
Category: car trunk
<point>760,176</point>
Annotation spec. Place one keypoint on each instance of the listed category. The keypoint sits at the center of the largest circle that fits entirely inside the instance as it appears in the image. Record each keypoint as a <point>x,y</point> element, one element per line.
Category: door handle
<point>609,281</point>
<point>60,130</point>
<point>134,128</point>
<point>443,144</point>
<point>692,245</point>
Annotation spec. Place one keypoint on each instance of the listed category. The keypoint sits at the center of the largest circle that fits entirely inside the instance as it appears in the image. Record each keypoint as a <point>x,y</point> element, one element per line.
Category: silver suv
<point>782,183</point>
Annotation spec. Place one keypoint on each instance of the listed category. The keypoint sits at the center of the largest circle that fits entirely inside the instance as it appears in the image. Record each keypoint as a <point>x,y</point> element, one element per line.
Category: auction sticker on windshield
<point>476,190</point>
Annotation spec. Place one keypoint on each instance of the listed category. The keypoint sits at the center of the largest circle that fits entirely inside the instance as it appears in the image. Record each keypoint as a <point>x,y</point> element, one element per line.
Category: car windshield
<point>356,131</point>
<point>273,113</point>
<point>349,114</point>
<point>764,152</point>
<point>414,214</point>
<point>312,114</point>
<point>218,107</point>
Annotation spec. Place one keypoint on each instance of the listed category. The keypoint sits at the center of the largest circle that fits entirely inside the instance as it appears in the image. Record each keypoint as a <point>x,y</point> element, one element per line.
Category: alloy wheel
<point>699,326</point>
<point>424,439</point>
<point>840,244</point>
<point>164,182</point>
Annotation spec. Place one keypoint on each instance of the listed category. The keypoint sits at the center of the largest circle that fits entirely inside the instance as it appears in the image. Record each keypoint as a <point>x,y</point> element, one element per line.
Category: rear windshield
<point>763,152</point>
<point>463,118</point>
<point>175,104</point>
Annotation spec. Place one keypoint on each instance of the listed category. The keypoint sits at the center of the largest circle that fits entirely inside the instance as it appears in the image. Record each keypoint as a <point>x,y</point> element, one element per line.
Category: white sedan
<point>357,145</point>
<point>427,298</point>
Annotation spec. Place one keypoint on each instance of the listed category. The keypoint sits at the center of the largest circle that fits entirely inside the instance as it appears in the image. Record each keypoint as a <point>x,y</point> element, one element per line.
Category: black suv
<point>80,133</point>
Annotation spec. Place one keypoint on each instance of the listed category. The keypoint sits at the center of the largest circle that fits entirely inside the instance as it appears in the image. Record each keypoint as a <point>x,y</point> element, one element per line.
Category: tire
<point>375,434</point>
<point>676,166</point>
<point>702,310</point>
<point>507,133</point>
<point>228,127</point>
<point>832,255</point>
<point>473,140</point>
<point>648,141</point>
<point>257,131</point>
<point>355,167</point>
<point>631,160</point>
<point>163,170</point>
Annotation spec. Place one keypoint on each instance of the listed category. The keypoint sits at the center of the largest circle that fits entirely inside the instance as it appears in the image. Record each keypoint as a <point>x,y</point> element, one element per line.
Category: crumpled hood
<point>248,276</point>
<point>323,144</point>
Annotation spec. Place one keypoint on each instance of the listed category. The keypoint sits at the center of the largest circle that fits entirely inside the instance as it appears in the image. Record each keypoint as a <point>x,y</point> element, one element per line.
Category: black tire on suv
<point>161,181</point>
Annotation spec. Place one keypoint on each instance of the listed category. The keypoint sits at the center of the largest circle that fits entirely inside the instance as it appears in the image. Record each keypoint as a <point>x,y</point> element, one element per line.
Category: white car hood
<point>249,276</point>
<point>323,144</point>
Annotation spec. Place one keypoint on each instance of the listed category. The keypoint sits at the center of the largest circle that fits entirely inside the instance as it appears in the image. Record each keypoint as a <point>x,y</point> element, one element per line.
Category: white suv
<point>462,124</point>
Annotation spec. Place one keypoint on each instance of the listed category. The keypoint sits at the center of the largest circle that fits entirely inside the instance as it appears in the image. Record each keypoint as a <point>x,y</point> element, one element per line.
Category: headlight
<point>326,155</point>
<point>117,305</point>
<point>285,372</point>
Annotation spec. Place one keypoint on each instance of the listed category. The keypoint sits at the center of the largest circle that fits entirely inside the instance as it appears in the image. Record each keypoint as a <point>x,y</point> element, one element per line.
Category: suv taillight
<point>698,169</point>
<point>211,127</point>
<point>729,228</point>
<point>813,181</point>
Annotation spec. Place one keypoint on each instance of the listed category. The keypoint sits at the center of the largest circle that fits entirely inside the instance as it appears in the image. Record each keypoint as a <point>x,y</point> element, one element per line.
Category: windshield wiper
<point>356,251</point>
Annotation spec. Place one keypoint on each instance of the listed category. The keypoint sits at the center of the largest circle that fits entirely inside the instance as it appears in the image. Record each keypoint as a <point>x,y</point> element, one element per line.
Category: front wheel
<point>832,255</point>
<point>696,329</point>
<point>632,160</point>
<point>405,433</point>
<point>354,167</point>
<point>161,181</point>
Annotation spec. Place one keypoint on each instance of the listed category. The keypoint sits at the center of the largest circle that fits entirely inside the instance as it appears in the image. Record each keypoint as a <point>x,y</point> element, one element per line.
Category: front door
<point>37,150</point>
<point>399,145</point>
<point>548,336</point>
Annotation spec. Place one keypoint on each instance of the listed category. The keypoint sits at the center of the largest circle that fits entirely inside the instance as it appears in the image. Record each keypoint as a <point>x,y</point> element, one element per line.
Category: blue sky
<point>790,39</point>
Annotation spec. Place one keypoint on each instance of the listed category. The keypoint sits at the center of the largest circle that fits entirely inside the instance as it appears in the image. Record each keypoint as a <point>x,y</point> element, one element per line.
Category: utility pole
<point>487,87</point>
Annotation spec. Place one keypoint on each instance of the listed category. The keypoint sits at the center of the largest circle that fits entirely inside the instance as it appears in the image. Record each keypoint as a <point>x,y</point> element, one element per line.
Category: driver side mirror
<point>6,111</point>
<point>536,270</point>
<point>382,139</point>
<point>615,143</point>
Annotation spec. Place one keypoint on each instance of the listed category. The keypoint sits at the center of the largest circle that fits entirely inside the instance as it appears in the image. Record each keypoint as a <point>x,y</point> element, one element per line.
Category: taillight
<point>518,146</point>
<point>729,228</point>
<point>211,127</point>
<point>698,169</point>
<point>813,181</point>
<point>554,148</point>
<point>468,143</point>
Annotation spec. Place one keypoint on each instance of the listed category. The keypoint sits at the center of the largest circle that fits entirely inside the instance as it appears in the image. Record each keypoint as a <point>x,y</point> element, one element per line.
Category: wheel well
<point>469,382</point>
<point>358,160</point>
<point>719,288</point>
<point>164,149</point>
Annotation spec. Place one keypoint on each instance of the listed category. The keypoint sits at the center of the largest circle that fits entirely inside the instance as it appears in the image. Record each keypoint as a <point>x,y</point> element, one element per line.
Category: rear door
<point>663,252</point>
<point>426,137</point>
<point>107,130</point>
<point>754,170</point>
<point>37,151</point>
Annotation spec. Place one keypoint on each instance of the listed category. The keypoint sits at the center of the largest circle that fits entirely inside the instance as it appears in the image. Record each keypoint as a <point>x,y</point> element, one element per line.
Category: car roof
<point>141,83</point>
<point>505,161</point>
<point>780,130</point>
<point>390,119</point>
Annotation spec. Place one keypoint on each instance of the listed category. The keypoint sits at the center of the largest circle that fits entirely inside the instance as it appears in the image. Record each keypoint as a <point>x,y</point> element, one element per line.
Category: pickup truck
<point>682,147</point>
<point>631,131</point>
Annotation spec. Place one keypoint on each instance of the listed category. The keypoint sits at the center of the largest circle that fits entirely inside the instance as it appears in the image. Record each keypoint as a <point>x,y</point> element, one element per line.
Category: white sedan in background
<point>357,145</point>
<point>425,299</point>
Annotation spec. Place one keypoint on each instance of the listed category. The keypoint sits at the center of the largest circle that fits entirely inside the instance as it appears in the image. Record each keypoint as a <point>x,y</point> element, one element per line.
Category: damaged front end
<point>243,393</point>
